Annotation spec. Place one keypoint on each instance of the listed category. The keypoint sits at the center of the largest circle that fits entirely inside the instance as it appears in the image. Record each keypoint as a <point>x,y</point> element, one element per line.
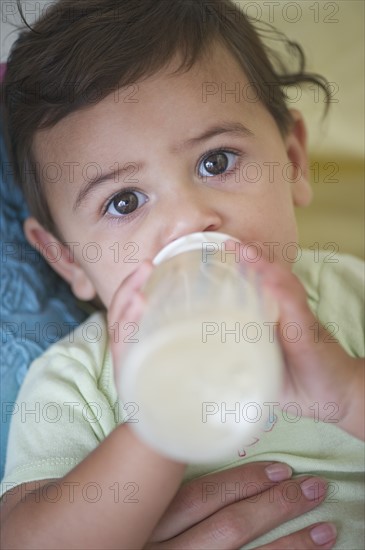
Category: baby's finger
<point>289,294</point>
<point>271,273</point>
<point>126,291</point>
<point>276,276</point>
<point>125,332</point>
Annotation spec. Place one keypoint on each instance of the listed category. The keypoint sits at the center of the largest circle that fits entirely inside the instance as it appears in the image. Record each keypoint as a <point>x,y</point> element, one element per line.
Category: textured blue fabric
<point>36,306</point>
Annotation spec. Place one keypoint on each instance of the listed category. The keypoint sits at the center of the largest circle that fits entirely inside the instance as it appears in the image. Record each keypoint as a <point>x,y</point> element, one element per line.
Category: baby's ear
<point>296,147</point>
<point>60,258</point>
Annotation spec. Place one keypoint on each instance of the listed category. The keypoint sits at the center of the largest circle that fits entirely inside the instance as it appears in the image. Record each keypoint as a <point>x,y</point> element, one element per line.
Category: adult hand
<point>230,508</point>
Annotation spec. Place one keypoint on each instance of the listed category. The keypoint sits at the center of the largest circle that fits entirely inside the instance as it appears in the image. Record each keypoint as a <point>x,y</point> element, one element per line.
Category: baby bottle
<point>206,361</point>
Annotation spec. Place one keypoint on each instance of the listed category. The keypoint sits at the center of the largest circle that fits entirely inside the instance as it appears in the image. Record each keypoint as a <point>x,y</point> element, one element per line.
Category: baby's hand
<point>318,370</point>
<point>125,311</point>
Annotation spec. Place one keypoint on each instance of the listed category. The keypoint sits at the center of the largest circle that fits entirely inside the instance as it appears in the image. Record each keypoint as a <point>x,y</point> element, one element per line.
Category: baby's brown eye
<point>125,203</point>
<point>217,163</point>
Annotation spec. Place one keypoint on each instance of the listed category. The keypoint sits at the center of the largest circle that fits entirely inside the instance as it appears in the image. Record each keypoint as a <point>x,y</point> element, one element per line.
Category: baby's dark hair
<point>77,53</point>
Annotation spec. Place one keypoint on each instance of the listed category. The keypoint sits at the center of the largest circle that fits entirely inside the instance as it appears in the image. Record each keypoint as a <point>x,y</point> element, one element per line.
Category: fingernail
<point>325,532</point>
<point>313,488</point>
<point>278,472</point>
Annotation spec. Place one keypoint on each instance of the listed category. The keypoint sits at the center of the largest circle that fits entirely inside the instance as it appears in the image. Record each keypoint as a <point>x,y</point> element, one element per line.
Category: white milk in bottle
<point>206,361</point>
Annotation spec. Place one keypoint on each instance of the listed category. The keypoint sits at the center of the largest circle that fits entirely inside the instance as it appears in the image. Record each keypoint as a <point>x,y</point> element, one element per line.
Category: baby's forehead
<point>216,70</point>
<point>213,85</point>
<point>216,65</point>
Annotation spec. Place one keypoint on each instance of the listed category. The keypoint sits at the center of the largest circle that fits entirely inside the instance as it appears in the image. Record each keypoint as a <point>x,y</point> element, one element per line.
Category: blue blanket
<point>36,307</point>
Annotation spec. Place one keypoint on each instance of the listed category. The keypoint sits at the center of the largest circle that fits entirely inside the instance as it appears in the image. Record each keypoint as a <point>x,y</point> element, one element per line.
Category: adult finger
<point>246,520</point>
<point>205,495</point>
<point>320,535</point>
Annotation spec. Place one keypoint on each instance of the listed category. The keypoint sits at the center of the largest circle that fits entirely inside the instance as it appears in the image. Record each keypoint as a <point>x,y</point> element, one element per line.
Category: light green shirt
<point>68,404</point>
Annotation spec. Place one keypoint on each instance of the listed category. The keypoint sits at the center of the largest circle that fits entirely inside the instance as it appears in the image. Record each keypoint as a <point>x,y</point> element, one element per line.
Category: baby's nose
<point>192,212</point>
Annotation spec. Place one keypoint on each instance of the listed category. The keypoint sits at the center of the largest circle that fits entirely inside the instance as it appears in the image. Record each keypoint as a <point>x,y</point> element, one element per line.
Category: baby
<point>125,135</point>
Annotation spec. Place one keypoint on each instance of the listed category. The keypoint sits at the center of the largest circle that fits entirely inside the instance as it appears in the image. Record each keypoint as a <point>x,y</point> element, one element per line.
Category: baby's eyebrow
<point>91,184</point>
<point>223,128</point>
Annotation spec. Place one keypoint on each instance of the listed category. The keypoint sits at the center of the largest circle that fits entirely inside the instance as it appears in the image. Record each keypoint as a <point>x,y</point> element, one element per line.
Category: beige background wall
<point>332,35</point>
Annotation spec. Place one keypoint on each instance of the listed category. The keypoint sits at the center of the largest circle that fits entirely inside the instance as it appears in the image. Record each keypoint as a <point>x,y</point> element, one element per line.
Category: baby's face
<point>184,158</point>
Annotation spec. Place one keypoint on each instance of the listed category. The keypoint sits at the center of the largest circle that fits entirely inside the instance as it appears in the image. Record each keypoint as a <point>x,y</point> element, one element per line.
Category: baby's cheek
<point>108,283</point>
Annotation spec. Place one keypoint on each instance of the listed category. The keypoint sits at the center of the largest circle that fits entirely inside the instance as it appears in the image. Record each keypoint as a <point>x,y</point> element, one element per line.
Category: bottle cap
<point>193,241</point>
